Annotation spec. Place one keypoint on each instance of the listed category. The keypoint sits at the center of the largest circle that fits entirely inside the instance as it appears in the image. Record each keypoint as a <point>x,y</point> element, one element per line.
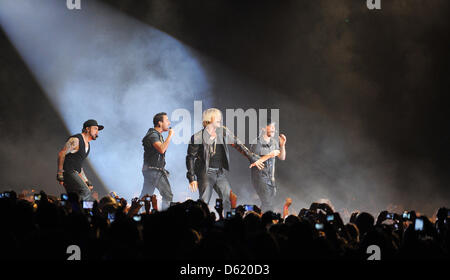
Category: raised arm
<point>282,155</point>
<point>162,147</point>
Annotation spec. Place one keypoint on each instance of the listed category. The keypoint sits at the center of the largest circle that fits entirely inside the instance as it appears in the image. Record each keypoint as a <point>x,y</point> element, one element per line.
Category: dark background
<point>362,95</point>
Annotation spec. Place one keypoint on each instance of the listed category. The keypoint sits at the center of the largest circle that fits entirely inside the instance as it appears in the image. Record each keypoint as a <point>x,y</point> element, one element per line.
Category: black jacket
<point>197,158</point>
<point>151,156</point>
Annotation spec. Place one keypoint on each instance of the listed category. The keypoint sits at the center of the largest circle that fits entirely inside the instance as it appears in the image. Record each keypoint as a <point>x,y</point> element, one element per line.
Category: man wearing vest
<point>155,176</point>
<point>268,146</point>
<point>70,172</point>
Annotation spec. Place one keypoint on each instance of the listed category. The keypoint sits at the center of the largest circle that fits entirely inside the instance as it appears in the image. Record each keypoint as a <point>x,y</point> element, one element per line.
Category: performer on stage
<point>70,173</point>
<point>155,147</point>
<point>264,180</point>
<point>208,157</point>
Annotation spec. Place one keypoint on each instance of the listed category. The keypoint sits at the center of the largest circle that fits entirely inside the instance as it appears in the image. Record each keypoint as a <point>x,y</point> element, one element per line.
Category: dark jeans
<point>75,184</point>
<point>265,190</point>
<point>157,179</point>
<point>215,179</point>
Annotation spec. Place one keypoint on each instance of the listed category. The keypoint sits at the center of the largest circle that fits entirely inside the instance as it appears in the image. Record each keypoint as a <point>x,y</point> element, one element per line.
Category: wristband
<point>60,177</point>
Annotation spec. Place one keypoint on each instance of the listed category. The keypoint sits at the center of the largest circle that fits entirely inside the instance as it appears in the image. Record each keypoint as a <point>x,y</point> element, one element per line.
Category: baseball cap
<point>89,123</point>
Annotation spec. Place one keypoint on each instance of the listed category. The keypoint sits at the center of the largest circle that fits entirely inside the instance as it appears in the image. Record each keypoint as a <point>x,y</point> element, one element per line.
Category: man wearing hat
<point>70,173</point>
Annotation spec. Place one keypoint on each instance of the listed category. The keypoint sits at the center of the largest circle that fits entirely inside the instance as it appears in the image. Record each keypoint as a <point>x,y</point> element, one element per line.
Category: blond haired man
<point>208,157</point>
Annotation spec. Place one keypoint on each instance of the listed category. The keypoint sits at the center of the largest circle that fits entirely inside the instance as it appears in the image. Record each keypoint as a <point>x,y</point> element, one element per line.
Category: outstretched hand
<point>288,202</point>
<point>259,164</point>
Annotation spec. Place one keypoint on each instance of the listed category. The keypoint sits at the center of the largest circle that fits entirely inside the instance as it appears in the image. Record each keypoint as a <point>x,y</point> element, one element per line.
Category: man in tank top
<point>70,172</point>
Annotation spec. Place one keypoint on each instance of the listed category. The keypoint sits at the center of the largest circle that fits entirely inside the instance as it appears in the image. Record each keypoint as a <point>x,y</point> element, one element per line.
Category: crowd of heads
<point>41,226</point>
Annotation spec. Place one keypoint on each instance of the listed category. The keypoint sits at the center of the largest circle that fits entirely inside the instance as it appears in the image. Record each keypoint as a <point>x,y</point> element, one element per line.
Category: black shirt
<point>151,155</point>
<point>217,159</point>
<point>263,148</point>
<point>75,161</point>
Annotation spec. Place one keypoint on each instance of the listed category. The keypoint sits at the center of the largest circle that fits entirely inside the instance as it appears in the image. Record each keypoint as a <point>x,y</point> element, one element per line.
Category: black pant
<point>215,179</point>
<point>265,190</point>
<point>157,179</point>
<point>75,184</point>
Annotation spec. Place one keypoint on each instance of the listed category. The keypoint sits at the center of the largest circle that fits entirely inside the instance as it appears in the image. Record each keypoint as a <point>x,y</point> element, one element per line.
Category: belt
<point>159,169</point>
<point>215,168</point>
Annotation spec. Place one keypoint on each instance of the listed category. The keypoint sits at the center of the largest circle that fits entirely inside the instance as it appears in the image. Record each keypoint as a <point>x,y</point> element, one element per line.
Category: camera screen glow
<point>419,224</point>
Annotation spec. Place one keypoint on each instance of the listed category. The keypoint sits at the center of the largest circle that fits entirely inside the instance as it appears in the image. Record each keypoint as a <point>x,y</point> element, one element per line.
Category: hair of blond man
<point>209,114</point>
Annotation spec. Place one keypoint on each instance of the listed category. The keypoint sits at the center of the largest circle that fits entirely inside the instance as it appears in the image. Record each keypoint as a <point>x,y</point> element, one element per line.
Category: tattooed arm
<point>71,146</point>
